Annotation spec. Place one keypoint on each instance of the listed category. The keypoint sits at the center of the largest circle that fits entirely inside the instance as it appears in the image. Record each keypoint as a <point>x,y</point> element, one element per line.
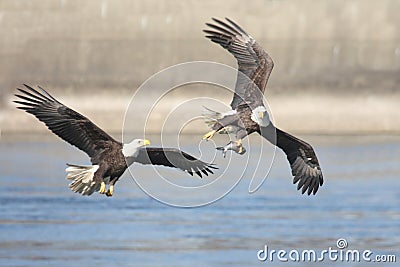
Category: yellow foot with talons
<point>102,188</point>
<point>209,135</point>
<point>239,144</point>
<point>110,191</point>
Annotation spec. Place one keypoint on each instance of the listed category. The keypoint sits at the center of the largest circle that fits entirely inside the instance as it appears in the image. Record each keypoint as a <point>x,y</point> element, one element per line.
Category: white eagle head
<point>131,149</point>
<point>260,116</point>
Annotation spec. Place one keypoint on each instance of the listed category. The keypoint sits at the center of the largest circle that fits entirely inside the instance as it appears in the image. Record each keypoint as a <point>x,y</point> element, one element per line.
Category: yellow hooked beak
<point>261,115</point>
<point>146,142</point>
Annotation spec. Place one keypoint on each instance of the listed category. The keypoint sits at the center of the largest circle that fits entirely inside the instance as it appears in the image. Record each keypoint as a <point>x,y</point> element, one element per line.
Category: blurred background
<point>335,84</point>
<point>337,63</point>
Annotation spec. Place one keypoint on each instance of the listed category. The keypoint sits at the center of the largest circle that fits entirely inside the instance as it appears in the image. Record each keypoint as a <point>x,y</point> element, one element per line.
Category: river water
<point>43,223</point>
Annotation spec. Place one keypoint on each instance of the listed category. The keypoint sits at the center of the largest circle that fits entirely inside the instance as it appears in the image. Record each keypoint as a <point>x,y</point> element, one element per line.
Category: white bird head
<point>260,116</point>
<point>131,149</point>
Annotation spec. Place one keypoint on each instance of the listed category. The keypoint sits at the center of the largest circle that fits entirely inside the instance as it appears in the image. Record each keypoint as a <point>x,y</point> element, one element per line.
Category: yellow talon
<point>110,191</point>
<point>102,188</point>
<point>209,135</point>
<point>239,144</point>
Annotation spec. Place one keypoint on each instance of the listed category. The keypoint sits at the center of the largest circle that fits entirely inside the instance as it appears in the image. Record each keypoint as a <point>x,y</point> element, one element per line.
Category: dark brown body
<point>111,162</point>
<point>242,120</point>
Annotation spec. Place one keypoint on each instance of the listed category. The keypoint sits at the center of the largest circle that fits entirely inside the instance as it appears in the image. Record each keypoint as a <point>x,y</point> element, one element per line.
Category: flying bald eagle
<point>109,157</point>
<point>248,114</point>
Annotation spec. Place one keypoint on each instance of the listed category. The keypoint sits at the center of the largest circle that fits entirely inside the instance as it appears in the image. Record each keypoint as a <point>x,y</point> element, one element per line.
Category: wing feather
<point>66,123</point>
<point>254,64</point>
<point>303,161</point>
<point>174,158</point>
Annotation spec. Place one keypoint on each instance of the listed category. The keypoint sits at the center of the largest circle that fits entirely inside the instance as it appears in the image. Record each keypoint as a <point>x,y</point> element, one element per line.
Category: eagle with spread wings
<point>109,157</point>
<point>248,114</point>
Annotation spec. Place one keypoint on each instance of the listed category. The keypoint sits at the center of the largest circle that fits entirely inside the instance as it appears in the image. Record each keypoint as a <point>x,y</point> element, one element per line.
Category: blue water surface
<point>43,223</point>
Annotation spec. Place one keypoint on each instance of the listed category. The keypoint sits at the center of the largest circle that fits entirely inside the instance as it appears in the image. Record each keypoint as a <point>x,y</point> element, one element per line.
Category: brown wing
<point>63,121</point>
<point>301,156</point>
<point>175,158</point>
<point>253,61</point>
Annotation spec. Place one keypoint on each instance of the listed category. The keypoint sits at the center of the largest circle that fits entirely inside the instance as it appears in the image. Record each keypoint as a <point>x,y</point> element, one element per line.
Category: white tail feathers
<point>210,118</point>
<point>82,177</point>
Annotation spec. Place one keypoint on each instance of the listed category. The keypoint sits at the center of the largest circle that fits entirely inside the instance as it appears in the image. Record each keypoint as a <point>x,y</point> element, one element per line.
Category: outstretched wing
<point>252,60</point>
<point>175,158</point>
<point>63,121</point>
<point>301,156</point>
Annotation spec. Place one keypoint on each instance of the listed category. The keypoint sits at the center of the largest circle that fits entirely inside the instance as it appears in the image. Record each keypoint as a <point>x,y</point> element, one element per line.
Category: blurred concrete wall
<point>319,46</point>
<point>104,43</point>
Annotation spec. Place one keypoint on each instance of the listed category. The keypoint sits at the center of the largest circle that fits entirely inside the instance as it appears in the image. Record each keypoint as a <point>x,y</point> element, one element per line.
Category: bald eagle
<point>248,114</point>
<point>109,157</point>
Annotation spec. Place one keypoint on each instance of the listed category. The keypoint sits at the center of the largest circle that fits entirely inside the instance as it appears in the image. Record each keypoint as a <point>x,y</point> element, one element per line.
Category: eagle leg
<point>209,135</point>
<point>110,191</point>
<point>239,147</point>
<point>220,125</point>
<point>102,188</point>
<point>234,146</point>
